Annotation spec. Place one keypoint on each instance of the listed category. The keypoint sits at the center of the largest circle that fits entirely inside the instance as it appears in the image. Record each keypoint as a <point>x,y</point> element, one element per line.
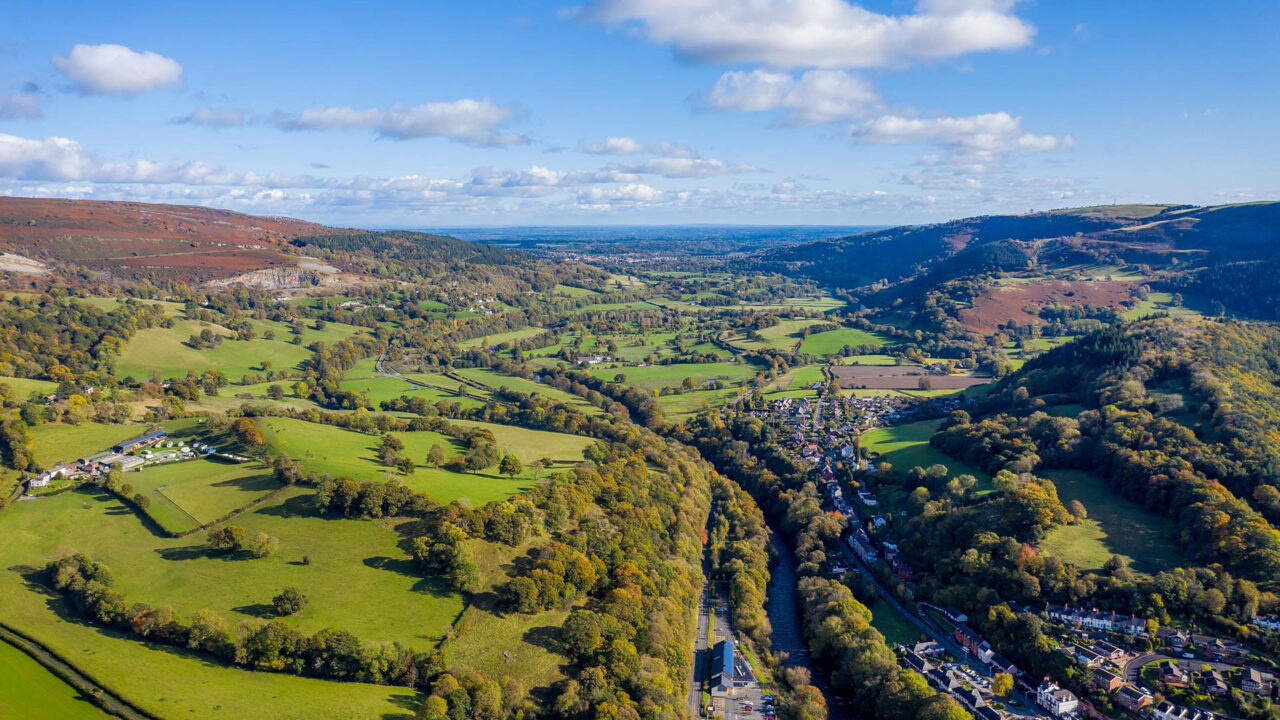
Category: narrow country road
<point>68,674</point>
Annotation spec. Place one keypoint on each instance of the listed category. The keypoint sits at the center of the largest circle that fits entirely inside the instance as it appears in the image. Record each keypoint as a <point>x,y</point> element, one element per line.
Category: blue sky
<point>641,111</point>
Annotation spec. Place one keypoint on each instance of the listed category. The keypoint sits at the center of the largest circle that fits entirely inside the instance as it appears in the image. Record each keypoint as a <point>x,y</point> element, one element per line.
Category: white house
<point>1059,701</point>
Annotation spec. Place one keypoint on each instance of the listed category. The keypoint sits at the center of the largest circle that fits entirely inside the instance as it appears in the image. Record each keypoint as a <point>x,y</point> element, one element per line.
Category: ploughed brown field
<point>128,238</point>
<point>899,377</point>
<point>1021,302</point>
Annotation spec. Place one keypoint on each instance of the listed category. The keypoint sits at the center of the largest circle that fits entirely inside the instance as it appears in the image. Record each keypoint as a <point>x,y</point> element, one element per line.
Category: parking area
<point>746,702</point>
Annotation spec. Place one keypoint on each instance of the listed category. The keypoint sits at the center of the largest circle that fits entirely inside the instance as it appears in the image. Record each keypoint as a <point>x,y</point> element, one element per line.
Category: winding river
<point>783,608</point>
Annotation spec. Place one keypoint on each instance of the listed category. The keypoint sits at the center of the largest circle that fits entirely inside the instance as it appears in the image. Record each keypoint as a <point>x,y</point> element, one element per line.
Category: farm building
<point>149,439</point>
<point>722,669</point>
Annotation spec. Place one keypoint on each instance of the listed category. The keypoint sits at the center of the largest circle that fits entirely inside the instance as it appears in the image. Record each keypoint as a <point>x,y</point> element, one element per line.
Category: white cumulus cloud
<point>815,33</point>
<point>116,70</point>
<point>475,122</point>
<point>817,97</point>
<point>974,140</point>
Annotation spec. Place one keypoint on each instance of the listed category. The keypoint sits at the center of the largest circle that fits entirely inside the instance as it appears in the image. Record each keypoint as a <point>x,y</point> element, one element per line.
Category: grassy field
<point>906,446</point>
<point>1115,526</point>
<point>1157,302</point>
<point>499,338</point>
<point>895,629</point>
<point>181,572</point>
<point>189,494</point>
<point>495,643</point>
<point>782,336</point>
<point>23,387</point>
<point>654,377</point>
<point>869,360</point>
<point>326,449</point>
<point>381,388</point>
<point>55,442</point>
<point>573,291</point>
<point>27,690</point>
<point>165,352</point>
<point>194,688</point>
<point>498,380</point>
<point>675,407</point>
<point>833,341</point>
<point>171,309</point>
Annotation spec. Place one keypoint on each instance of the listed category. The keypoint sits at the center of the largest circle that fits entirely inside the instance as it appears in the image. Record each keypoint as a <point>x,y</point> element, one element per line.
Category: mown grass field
<point>27,690</point>
<point>1115,526</point>
<point>906,446</point>
<point>164,350</point>
<point>832,341</point>
<point>338,452</point>
<point>189,494</point>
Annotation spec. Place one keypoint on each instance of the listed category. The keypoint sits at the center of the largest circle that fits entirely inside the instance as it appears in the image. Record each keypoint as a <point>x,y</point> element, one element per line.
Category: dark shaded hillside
<point>901,252</point>
<point>1160,236</point>
<point>413,247</point>
<point>1223,233</point>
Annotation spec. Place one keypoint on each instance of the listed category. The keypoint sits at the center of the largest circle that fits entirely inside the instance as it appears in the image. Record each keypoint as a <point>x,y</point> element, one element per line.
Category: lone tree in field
<point>227,539</point>
<point>436,456</point>
<point>289,601</point>
<point>406,466</point>
<point>262,545</point>
<point>510,465</point>
<point>539,465</point>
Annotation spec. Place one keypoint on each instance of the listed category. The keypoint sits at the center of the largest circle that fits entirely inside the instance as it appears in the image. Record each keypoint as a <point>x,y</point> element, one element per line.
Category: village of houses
<point>956,660</point>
